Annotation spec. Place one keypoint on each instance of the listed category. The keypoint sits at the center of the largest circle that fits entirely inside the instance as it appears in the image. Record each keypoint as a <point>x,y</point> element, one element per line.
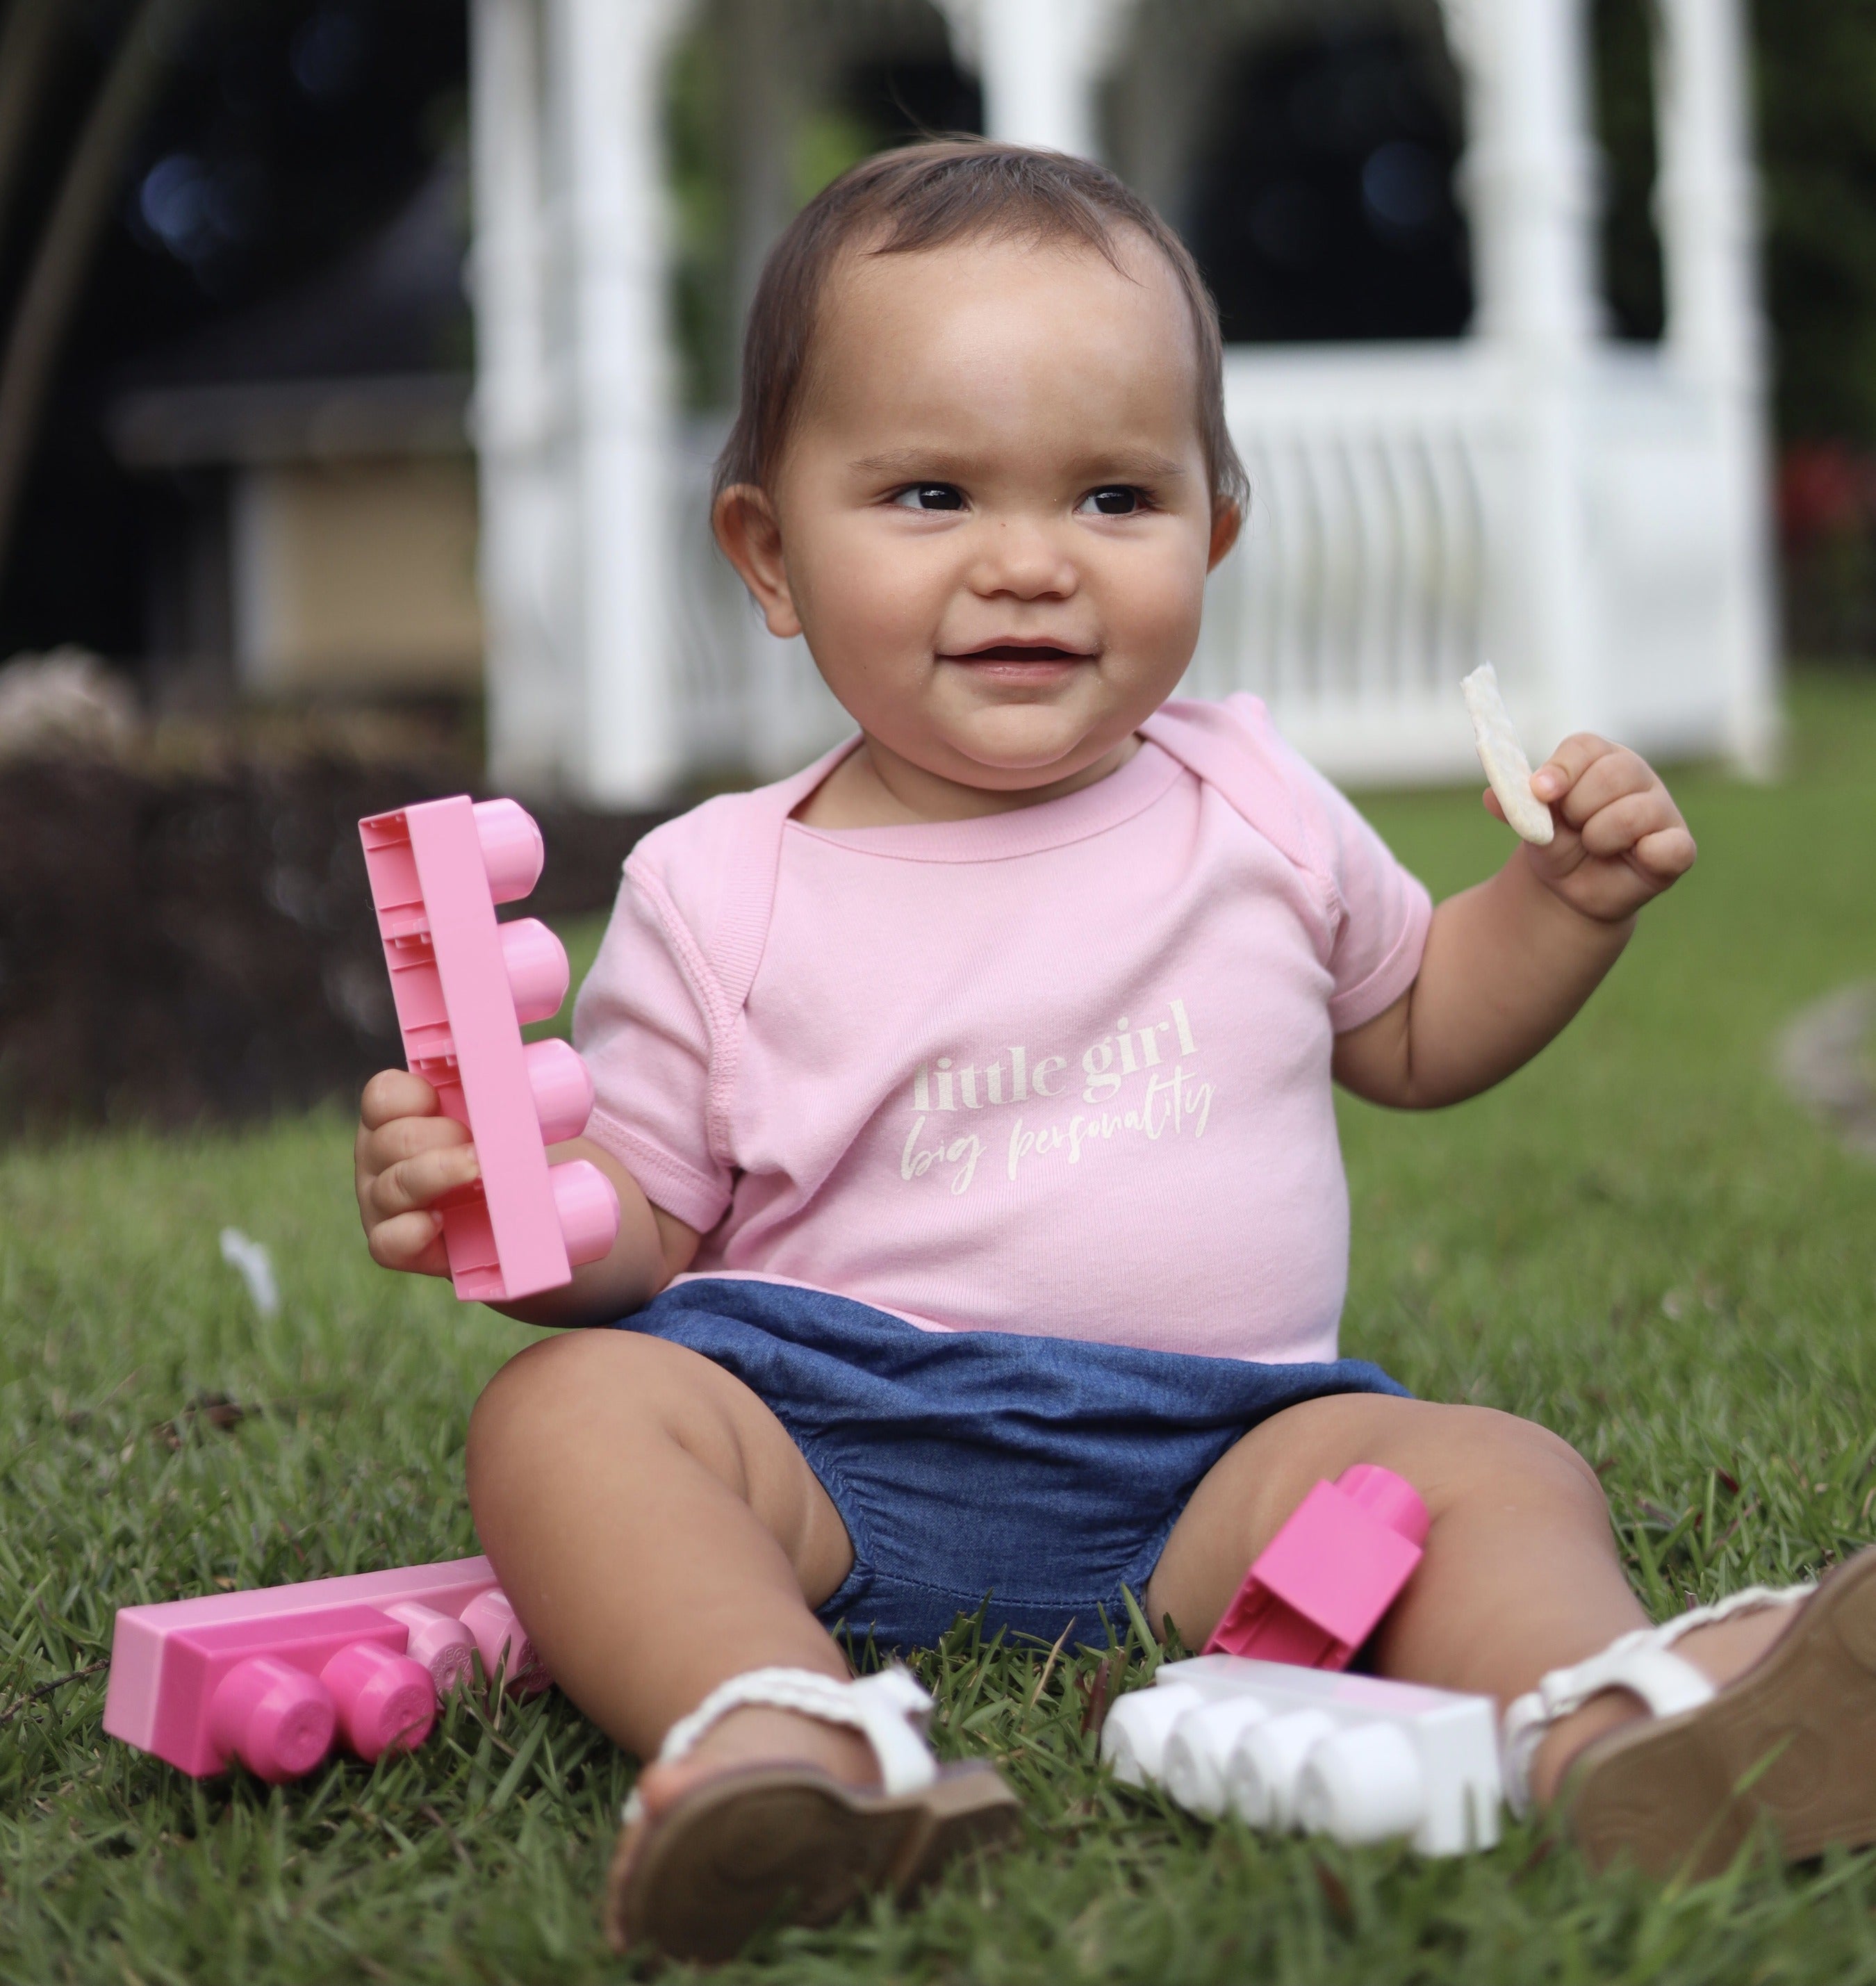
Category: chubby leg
<point>1520,1576</point>
<point>659,1532</point>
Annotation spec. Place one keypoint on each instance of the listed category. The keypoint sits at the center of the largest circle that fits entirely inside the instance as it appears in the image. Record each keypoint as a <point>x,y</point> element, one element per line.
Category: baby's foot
<point>748,1739</point>
<point>1728,1648</point>
<point>1779,1727</point>
<point>771,1815</point>
<point>1721,1651</point>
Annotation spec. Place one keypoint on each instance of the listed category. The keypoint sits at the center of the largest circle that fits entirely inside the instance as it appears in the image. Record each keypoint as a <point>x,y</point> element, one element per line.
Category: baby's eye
<point>931,496</point>
<point>1112,500</point>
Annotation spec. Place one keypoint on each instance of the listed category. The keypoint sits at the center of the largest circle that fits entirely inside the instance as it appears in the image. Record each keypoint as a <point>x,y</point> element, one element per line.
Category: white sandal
<point>1793,1739</point>
<point>789,1843</point>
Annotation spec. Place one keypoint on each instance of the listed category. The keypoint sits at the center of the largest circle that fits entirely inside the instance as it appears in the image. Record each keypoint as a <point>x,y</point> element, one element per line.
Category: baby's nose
<point>1026,559</point>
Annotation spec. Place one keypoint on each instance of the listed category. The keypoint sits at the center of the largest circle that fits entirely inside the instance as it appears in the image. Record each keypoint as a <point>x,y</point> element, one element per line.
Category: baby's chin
<point>1013,750</point>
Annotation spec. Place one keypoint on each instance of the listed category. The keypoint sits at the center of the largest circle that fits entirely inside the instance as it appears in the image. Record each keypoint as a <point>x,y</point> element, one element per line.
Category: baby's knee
<point>548,1392</point>
<point>1487,1449</point>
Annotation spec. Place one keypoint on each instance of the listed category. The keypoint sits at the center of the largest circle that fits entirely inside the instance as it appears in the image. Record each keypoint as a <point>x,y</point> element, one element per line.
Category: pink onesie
<point>1063,1070</point>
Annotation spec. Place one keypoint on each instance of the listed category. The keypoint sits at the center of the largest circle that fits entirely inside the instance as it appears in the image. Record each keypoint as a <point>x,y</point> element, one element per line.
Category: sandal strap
<point>889,1709</point>
<point>1641,1662</point>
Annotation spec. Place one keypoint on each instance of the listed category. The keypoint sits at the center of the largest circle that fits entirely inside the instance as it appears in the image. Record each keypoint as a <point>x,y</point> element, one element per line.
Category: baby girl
<point>968,1096</point>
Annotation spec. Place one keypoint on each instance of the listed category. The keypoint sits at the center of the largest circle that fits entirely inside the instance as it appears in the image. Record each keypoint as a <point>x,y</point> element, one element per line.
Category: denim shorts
<point>1033,1477</point>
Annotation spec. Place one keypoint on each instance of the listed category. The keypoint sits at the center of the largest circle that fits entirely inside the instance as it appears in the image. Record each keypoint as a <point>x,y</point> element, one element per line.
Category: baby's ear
<point>1227,521</point>
<point>750,535</point>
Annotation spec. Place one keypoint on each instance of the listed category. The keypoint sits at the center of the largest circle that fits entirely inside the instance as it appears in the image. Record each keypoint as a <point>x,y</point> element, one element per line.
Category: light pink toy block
<point>503,1645</point>
<point>440,1641</point>
<point>464,986</point>
<point>1319,1589</point>
<point>270,1678</point>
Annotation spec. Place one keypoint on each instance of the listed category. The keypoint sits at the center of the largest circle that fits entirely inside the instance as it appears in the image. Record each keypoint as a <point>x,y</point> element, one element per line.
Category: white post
<point>525,675</point>
<point>1530,178</point>
<point>1529,174</point>
<point>1707,205</point>
<point>1706,198</point>
<point>1040,61</point>
<point>608,390</point>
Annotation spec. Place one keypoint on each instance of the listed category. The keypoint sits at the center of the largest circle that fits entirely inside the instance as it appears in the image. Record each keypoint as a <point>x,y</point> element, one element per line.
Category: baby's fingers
<point>1568,764</point>
<point>396,1093</point>
<point>1669,853</point>
<point>1616,775</point>
<point>409,1138</point>
<point>1613,830</point>
<point>419,1182</point>
<point>412,1242</point>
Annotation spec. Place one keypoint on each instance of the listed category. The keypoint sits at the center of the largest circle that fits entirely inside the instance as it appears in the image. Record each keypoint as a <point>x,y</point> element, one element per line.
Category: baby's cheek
<point>871,599</point>
<point>1154,617</point>
<point>868,641</point>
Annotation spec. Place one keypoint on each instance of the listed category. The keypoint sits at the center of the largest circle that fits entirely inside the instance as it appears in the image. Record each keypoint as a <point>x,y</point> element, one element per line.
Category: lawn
<point>1638,1241</point>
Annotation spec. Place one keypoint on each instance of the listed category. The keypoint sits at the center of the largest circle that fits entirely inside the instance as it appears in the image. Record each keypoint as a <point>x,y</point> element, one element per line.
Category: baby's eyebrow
<point>1125,464</point>
<point>910,462</point>
<point>1129,465</point>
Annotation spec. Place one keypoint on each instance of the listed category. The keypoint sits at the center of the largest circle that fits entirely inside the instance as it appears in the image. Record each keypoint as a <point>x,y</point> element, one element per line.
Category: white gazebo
<point>1590,516</point>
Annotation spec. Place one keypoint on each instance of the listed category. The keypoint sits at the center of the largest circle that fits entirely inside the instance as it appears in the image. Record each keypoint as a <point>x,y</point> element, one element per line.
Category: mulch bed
<point>174,949</point>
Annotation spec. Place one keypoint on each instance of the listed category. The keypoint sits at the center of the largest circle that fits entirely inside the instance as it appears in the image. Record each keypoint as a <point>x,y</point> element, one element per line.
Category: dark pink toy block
<point>464,985</point>
<point>270,1678</point>
<point>274,1693</point>
<point>1319,1589</point>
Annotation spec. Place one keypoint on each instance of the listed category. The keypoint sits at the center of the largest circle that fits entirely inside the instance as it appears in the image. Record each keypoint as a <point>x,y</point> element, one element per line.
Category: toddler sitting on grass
<point>968,1097</point>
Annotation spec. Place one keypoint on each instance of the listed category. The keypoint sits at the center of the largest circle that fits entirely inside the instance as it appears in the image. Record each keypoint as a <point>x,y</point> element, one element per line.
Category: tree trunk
<point>29,52</point>
<point>82,206</point>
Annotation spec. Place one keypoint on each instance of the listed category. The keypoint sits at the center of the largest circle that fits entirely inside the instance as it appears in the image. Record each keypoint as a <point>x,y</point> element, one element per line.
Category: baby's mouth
<point>1021,662</point>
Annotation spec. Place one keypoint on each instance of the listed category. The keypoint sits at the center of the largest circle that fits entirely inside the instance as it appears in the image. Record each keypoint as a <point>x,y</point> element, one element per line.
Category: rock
<point>1825,1059</point>
<point>65,703</point>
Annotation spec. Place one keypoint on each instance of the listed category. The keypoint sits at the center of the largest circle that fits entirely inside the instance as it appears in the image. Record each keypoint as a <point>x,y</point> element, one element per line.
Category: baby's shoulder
<point>1234,746</point>
<point>695,867</point>
<point>710,874</point>
<point>703,839</point>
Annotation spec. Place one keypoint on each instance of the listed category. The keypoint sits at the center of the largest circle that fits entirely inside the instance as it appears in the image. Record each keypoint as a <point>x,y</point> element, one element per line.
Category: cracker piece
<point>1503,757</point>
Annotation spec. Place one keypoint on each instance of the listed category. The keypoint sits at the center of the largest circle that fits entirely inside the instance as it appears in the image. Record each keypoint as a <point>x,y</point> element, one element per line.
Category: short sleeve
<point>640,1022</point>
<point>1373,915</point>
<point>1385,910</point>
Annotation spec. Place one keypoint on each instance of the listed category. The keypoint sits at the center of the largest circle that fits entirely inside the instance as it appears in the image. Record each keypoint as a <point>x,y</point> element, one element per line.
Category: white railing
<point>1357,596</point>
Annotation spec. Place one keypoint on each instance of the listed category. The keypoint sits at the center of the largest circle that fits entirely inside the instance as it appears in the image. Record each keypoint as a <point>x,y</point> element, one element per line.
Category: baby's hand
<point>407,1156</point>
<point>1620,838</point>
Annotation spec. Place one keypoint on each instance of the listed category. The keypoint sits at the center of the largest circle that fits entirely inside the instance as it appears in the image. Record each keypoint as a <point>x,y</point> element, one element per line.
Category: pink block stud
<point>562,1086</point>
<point>439,1642</point>
<point>513,853</point>
<point>538,972</point>
<point>503,1643</point>
<point>464,985</point>
<point>587,1207</point>
<point>276,1719</point>
<point>1319,1589</point>
<point>382,1699</point>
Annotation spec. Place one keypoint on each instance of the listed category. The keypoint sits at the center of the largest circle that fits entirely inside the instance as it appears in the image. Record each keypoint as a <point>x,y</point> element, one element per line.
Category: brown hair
<point>923,197</point>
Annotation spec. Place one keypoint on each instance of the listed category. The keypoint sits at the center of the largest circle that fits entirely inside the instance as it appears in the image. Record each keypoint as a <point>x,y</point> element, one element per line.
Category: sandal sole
<point>1791,1741</point>
<point>787,1845</point>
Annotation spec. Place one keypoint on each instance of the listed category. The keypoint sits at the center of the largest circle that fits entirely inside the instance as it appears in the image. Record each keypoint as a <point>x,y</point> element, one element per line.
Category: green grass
<point>1637,1240</point>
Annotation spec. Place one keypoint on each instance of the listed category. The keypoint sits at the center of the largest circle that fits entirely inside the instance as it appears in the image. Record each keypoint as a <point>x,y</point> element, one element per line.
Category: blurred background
<point>362,362</point>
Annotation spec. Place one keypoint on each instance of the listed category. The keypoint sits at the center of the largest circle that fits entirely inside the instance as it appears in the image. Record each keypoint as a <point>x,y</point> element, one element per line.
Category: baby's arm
<point>1508,963</point>
<point>408,1155</point>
